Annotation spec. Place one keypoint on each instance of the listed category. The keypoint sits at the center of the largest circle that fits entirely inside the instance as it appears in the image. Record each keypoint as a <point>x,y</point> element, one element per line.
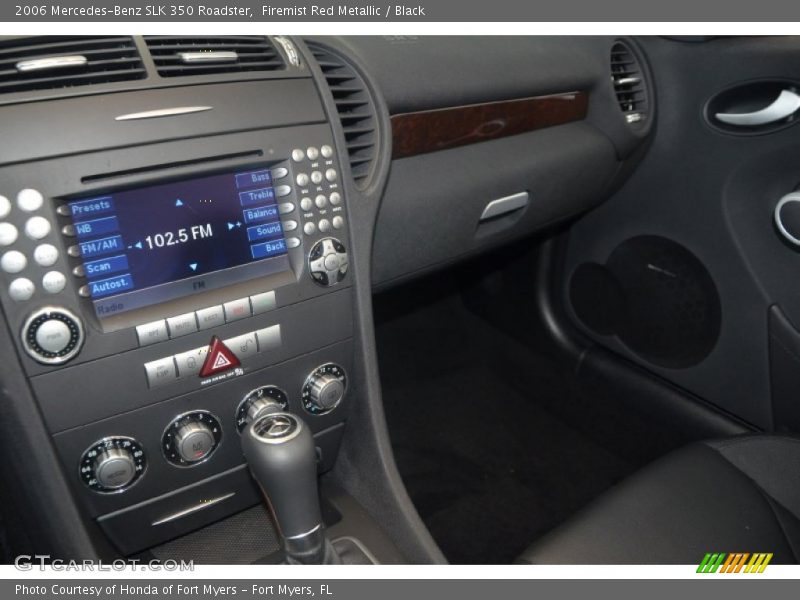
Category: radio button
<point>13,262</point>
<point>21,289</point>
<point>8,234</point>
<point>84,292</point>
<point>312,153</point>
<point>290,225</point>
<point>298,155</point>
<point>336,198</point>
<point>292,242</point>
<point>316,177</point>
<point>286,208</point>
<point>263,302</point>
<point>5,207</point>
<point>243,346</point>
<point>152,333</point>
<point>302,179</point>
<point>327,151</point>
<point>210,317</point>
<point>309,228</point>
<point>189,363</point>
<point>331,175</point>
<point>160,372</point>
<point>182,325</point>
<point>279,173</point>
<point>30,200</point>
<point>45,255</point>
<point>282,190</point>
<point>269,338</point>
<point>54,282</point>
<point>306,204</point>
<point>321,201</point>
<point>324,226</point>
<point>37,227</point>
<point>53,336</point>
<point>237,309</point>
<point>338,222</point>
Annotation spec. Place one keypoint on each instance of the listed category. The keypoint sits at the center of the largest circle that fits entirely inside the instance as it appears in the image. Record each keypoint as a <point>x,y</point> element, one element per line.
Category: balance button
<point>282,190</point>
<point>263,302</point>
<point>302,179</point>
<point>182,325</point>
<point>312,153</point>
<point>292,242</point>
<point>237,309</point>
<point>316,177</point>
<point>298,155</point>
<point>285,208</point>
<point>306,204</point>
<point>210,317</point>
<point>326,151</point>
<point>160,372</point>
<point>37,227</point>
<point>331,175</point>
<point>30,200</point>
<point>321,201</point>
<point>151,333</point>
<point>338,222</point>
<point>53,336</point>
<point>189,363</point>
<point>269,338</point>
<point>336,198</point>
<point>45,255</point>
<point>5,207</point>
<point>21,289</point>
<point>13,262</point>
<point>279,173</point>
<point>309,228</point>
<point>331,262</point>
<point>54,282</point>
<point>243,346</point>
<point>324,226</point>
<point>8,234</point>
<point>290,225</point>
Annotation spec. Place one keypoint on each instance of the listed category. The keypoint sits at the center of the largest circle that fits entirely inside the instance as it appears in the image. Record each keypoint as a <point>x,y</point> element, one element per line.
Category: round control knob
<point>324,389</point>
<point>327,261</point>
<point>259,402</point>
<point>112,464</point>
<point>52,336</point>
<point>787,218</point>
<point>191,438</point>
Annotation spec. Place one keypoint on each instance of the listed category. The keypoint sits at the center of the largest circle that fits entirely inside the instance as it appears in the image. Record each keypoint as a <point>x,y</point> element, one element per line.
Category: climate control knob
<point>52,335</point>
<point>324,389</point>
<point>258,403</point>
<point>191,438</point>
<point>112,464</point>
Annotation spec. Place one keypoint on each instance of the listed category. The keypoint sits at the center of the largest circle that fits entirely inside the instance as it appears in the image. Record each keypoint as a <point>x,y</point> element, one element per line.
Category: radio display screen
<point>201,231</point>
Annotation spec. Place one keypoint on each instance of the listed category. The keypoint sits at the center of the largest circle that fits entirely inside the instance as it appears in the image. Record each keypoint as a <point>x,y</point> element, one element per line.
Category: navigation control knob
<point>259,402</point>
<point>112,464</point>
<point>327,261</point>
<point>52,335</point>
<point>191,438</point>
<point>324,389</point>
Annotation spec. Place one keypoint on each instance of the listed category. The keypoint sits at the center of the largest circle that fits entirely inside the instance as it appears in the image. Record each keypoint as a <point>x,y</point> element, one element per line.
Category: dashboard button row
<point>312,153</point>
<point>187,364</point>
<point>206,318</point>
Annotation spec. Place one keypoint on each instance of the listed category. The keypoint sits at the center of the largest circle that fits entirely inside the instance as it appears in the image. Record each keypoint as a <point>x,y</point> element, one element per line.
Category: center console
<point>168,275</point>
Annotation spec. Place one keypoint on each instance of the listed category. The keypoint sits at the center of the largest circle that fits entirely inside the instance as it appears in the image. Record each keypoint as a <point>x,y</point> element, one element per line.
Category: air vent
<point>356,110</point>
<point>181,56</point>
<point>45,63</point>
<point>629,84</point>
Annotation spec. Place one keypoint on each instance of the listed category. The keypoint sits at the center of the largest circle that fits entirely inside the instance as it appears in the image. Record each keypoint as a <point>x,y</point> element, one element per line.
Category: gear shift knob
<point>281,453</point>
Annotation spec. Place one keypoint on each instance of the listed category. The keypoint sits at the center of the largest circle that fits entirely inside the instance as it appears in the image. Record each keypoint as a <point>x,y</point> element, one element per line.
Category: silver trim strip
<point>192,509</point>
<point>163,112</point>
<point>209,56</point>
<point>51,62</point>
<point>501,206</point>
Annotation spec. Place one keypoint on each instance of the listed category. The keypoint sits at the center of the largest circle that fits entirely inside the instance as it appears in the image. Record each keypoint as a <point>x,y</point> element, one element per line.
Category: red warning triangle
<point>219,358</point>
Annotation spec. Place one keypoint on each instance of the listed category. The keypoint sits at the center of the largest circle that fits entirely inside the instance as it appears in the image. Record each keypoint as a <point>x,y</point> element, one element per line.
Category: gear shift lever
<point>280,450</point>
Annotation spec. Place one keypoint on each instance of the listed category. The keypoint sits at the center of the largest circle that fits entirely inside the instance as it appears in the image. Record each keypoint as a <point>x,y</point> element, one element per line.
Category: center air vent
<point>45,63</point>
<point>356,110</point>
<point>179,56</point>
<point>630,87</point>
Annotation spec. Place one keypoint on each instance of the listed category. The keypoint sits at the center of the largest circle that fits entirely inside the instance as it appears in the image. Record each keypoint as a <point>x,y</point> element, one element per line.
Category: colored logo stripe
<point>735,562</point>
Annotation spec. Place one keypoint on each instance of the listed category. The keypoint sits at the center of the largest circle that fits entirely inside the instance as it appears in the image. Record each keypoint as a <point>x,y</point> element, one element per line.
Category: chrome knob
<point>114,468</point>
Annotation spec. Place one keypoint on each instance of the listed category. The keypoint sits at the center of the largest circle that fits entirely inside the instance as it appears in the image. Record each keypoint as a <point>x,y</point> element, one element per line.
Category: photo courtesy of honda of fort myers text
<point>352,300</point>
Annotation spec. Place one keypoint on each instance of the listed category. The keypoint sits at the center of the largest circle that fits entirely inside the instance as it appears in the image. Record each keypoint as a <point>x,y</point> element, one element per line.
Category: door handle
<point>785,105</point>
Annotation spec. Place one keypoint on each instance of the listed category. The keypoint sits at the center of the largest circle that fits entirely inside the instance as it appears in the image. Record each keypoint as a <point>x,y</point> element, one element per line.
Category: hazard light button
<point>219,358</point>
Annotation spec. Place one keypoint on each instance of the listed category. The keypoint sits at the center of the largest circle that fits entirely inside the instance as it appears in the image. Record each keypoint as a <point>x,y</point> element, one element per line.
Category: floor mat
<point>487,466</point>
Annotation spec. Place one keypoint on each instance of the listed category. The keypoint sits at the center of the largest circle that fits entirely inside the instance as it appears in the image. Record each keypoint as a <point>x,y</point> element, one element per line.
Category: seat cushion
<point>736,495</point>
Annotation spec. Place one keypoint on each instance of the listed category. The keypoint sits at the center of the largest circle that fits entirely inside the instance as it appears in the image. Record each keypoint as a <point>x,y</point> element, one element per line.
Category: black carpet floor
<point>489,467</point>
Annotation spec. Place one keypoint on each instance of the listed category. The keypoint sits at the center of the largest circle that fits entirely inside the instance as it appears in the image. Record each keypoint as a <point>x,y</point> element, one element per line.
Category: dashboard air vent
<point>52,62</point>
<point>630,87</point>
<point>180,56</point>
<point>356,110</point>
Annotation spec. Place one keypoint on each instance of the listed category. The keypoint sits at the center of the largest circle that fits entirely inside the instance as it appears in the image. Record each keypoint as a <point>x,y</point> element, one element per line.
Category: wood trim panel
<point>427,131</point>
